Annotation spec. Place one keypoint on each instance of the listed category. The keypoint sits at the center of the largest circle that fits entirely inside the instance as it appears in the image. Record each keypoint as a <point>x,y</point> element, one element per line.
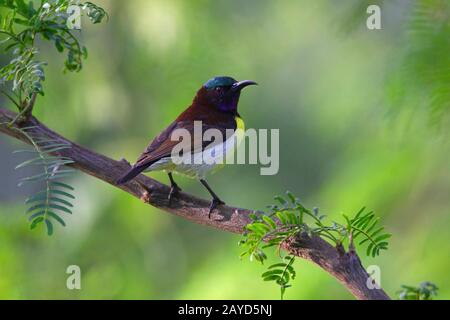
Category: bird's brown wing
<point>162,145</point>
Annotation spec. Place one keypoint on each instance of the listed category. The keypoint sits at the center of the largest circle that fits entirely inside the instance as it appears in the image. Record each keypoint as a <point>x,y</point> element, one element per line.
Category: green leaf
<point>291,218</point>
<point>369,251</point>
<point>271,278</point>
<point>259,229</point>
<point>58,207</point>
<point>54,146</point>
<point>271,244</point>
<point>282,217</point>
<point>62,193</point>
<point>373,222</point>
<point>21,22</point>
<point>377,231</point>
<point>47,197</point>
<point>38,206</point>
<point>382,237</point>
<point>34,161</point>
<point>62,185</point>
<point>49,225</point>
<point>291,197</point>
<point>269,221</point>
<point>43,195</point>
<point>272,272</point>
<point>58,45</point>
<point>54,149</point>
<point>25,151</point>
<point>38,177</point>
<point>258,255</point>
<point>277,265</point>
<point>62,201</point>
<point>36,222</point>
<point>35,215</point>
<point>56,217</point>
<point>85,52</point>
<point>37,197</point>
<point>281,200</point>
<point>358,214</point>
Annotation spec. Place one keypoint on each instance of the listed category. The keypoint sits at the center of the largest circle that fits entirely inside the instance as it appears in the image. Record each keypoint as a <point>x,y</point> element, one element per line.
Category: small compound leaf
<point>36,222</point>
<point>35,215</point>
<point>49,226</point>
<point>269,221</point>
<point>271,278</point>
<point>56,217</point>
<point>62,185</point>
<point>62,193</point>
<point>58,207</point>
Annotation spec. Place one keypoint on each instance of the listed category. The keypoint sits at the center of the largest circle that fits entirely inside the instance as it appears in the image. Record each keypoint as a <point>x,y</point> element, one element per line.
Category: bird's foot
<point>215,202</point>
<point>174,191</point>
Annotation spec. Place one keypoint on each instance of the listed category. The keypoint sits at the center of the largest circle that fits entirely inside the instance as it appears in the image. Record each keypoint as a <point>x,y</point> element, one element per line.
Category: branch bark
<point>346,267</point>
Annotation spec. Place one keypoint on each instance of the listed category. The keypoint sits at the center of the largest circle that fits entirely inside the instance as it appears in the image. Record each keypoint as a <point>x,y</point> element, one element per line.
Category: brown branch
<point>346,267</point>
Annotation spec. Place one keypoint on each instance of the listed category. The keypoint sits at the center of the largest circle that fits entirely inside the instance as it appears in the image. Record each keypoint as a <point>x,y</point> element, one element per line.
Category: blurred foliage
<point>423,72</point>
<point>355,129</point>
<point>425,291</point>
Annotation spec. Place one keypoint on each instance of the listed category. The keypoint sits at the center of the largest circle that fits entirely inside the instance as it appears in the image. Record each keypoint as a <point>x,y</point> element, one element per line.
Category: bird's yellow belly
<point>240,130</point>
<point>208,161</point>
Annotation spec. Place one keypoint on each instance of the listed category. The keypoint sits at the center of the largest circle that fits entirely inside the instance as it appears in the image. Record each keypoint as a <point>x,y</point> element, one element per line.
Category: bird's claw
<point>174,191</point>
<point>215,202</point>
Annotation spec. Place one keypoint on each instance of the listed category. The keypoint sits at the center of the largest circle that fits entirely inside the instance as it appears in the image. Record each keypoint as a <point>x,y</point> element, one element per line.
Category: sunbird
<point>215,105</point>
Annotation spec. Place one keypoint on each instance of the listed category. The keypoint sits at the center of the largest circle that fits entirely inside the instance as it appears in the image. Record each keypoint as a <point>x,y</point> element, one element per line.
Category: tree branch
<point>346,267</point>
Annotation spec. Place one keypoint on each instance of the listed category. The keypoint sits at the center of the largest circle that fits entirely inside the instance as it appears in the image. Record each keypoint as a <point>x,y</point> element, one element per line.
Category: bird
<point>216,106</point>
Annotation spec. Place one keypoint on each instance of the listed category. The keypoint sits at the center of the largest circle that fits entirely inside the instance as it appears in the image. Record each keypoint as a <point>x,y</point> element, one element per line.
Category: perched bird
<point>215,105</point>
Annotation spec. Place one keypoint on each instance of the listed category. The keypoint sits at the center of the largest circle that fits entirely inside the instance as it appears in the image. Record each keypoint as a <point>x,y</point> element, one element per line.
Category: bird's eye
<point>218,89</point>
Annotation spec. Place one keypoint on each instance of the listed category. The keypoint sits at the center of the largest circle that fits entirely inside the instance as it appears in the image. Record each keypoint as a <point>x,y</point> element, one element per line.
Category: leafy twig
<point>46,203</point>
<point>290,223</point>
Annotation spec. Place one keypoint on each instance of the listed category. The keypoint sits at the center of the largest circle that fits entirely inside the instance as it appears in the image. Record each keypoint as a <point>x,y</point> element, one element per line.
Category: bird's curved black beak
<point>238,86</point>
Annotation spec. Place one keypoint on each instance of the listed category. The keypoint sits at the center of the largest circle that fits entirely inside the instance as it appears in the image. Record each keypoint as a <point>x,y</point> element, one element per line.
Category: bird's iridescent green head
<point>223,92</point>
<point>219,82</point>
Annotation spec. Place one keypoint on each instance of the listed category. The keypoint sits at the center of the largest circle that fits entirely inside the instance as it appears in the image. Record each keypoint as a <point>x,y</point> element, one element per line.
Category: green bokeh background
<point>355,130</point>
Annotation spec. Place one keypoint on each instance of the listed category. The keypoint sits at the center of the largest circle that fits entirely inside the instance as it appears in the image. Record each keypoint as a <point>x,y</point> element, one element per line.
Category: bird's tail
<point>130,174</point>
